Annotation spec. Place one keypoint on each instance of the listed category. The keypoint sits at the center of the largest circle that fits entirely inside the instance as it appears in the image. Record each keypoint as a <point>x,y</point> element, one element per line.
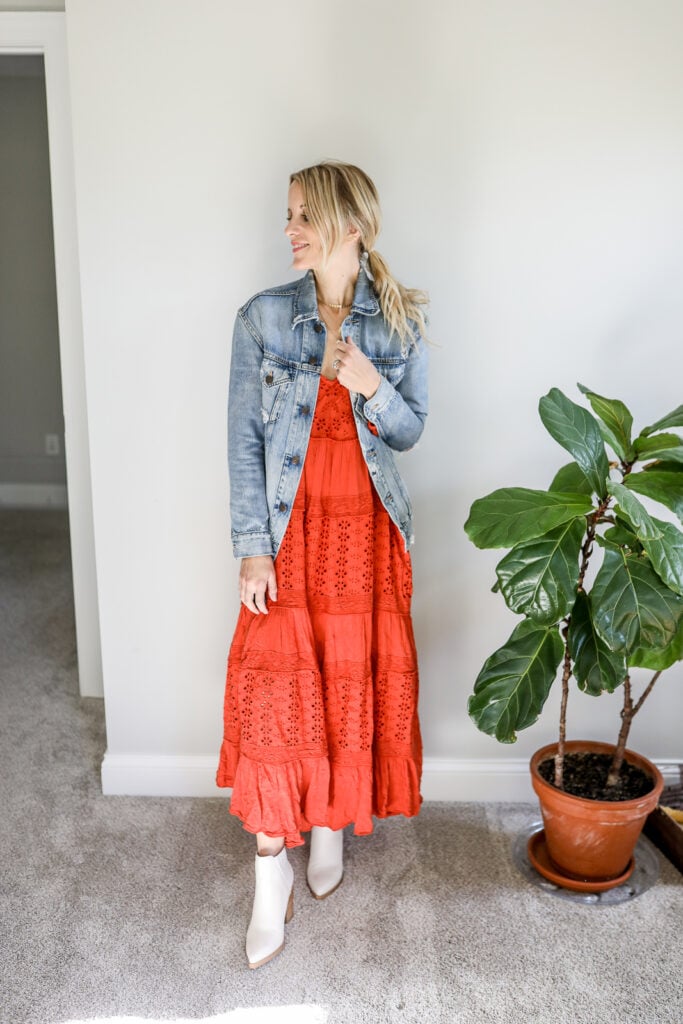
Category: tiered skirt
<point>320,715</point>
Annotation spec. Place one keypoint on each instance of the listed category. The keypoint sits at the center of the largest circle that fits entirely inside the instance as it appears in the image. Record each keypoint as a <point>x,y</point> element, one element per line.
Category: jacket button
<point>269,378</point>
<point>305,409</point>
<point>296,459</point>
<point>318,328</point>
<point>282,506</point>
<point>312,360</point>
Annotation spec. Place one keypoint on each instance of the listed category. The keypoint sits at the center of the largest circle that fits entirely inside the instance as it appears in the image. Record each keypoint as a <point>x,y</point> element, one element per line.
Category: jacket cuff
<point>376,405</point>
<point>249,545</point>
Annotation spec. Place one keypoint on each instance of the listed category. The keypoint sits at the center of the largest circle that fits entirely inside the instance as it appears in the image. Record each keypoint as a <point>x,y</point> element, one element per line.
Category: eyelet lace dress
<point>320,714</point>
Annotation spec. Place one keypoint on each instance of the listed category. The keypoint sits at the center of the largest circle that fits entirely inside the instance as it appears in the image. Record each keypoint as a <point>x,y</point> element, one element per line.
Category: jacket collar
<point>306,304</point>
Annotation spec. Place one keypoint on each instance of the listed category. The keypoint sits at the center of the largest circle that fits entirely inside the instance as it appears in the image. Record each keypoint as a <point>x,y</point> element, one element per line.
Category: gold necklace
<point>334,305</point>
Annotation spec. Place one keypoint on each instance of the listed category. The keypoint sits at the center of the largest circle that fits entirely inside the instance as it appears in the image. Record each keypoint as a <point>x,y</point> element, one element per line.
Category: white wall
<point>529,157</point>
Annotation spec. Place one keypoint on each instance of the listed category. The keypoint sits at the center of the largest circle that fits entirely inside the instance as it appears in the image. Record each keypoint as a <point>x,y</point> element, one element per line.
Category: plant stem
<point>566,672</point>
<point>626,719</point>
<point>587,548</point>
<point>586,551</point>
<point>646,693</point>
<point>628,713</point>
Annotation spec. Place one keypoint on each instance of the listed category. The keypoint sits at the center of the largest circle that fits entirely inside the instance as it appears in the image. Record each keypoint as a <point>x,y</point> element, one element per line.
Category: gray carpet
<point>134,908</point>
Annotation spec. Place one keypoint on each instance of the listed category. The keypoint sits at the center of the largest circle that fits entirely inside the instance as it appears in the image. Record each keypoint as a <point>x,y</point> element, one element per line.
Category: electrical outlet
<point>52,444</point>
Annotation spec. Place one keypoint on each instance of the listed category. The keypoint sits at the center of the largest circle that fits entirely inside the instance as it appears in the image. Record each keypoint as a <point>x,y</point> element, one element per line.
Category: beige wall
<point>529,156</point>
<point>30,390</point>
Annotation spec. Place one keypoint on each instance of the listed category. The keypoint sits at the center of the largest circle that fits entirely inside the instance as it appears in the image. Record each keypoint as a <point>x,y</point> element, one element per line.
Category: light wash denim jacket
<point>277,350</point>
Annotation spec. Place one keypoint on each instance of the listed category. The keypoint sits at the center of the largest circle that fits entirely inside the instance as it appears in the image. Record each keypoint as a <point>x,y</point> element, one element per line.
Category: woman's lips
<point>298,248</point>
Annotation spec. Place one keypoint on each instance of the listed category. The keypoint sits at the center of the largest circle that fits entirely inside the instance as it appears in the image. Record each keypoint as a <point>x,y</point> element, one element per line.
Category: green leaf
<point>667,446</point>
<point>538,578</point>
<point>571,478</point>
<point>664,658</point>
<point>596,667</point>
<point>576,430</point>
<point>661,465</point>
<point>615,422</point>
<point>512,515</point>
<point>619,537</point>
<point>672,419</point>
<point>512,687</point>
<point>664,486</point>
<point>632,608</point>
<point>663,542</point>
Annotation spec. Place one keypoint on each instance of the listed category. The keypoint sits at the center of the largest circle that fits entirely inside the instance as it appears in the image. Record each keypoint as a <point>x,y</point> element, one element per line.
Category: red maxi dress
<point>320,714</point>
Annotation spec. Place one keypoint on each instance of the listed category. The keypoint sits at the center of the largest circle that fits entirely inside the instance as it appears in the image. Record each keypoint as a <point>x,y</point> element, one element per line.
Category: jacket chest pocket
<point>393,370</point>
<point>276,380</point>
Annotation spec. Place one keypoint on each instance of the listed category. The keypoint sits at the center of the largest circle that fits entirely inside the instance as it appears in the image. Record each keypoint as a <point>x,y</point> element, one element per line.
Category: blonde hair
<point>338,195</point>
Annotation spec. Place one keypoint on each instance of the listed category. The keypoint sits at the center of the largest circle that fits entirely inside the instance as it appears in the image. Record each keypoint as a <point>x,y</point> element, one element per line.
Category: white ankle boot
<point>326,861</point>
<point>273,908</point>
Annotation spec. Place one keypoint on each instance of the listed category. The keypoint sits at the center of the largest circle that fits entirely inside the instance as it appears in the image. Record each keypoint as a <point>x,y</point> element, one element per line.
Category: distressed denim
<point>277,351</point>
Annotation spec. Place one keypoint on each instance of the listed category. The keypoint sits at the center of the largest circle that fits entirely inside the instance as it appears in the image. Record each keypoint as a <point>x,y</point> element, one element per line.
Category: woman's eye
<point>304,217</point>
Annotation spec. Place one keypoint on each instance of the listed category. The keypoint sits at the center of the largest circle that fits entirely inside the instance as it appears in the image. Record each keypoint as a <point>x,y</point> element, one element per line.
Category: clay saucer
<point>539,858</point>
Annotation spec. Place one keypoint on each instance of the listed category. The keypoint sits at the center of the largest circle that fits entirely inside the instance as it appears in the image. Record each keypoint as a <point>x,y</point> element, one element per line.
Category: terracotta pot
<point>592,840</point>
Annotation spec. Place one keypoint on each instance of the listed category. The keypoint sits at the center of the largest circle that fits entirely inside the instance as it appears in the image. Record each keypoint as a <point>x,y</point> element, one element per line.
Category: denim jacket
<point>277,350</point>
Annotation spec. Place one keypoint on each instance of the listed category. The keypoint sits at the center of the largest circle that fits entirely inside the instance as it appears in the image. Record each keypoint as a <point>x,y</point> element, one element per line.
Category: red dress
<point>320,717</point>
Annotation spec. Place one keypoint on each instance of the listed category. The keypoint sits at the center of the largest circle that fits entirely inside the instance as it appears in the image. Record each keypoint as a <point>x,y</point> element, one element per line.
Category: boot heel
<point>290,908</point>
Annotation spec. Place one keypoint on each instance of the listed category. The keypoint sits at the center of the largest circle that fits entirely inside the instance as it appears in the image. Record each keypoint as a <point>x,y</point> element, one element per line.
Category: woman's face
<point>307,250</point>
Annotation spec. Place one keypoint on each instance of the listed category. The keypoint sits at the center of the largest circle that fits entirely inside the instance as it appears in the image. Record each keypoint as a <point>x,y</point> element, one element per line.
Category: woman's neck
<point>336,283</point>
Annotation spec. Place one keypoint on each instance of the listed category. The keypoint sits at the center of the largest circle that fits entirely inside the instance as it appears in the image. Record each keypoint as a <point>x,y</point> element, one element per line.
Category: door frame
<point>45,33</point>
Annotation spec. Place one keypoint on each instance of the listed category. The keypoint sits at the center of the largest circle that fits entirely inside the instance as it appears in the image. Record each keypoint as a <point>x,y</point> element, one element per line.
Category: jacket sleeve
<point>249,516</point>
<point>398,413</point>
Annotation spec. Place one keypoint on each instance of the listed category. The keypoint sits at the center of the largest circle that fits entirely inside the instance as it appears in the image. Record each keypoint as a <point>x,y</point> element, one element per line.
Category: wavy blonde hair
<point>338,195</point>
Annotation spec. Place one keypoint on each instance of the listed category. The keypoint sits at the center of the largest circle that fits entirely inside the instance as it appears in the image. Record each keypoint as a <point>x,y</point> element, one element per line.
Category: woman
<point>328,379</point>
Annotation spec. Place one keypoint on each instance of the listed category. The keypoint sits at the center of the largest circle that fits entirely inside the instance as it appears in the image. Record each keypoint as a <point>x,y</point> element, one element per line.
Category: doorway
<point>37,41</point>
<point>32,464</point>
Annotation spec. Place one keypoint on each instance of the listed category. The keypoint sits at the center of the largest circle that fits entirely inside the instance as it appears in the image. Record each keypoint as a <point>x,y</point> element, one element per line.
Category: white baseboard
<point>159,775</point>
<point>33,496</point>
<point>461,780</point>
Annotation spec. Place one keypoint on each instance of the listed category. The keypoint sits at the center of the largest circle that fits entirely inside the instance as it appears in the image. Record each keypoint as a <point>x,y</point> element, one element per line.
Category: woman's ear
<point>353,234</point>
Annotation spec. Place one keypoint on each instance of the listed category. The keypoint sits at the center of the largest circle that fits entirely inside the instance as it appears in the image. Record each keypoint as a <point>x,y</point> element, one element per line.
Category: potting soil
<point>585,775</point>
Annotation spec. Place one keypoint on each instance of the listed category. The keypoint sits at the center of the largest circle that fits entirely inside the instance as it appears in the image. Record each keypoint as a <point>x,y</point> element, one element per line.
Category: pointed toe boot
<point>326,861</point>
<point>273,908</point>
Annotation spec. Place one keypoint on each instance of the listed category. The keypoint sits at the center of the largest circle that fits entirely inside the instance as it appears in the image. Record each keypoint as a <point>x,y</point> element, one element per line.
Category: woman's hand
<point>257,576</point>
<point>354,369</point>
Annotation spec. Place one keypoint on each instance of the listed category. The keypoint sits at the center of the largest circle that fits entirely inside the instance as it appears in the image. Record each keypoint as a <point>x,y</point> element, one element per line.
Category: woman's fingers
<point>354,370</point>
<point>257,576</point>
<point>344,347</point>
<point>340,350</point>
<point>272,586</point>
<point>254,599</point>
<point>258,599</point>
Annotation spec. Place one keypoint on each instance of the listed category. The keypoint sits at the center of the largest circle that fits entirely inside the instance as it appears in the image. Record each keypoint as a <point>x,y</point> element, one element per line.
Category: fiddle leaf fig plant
<point>631,616</point>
